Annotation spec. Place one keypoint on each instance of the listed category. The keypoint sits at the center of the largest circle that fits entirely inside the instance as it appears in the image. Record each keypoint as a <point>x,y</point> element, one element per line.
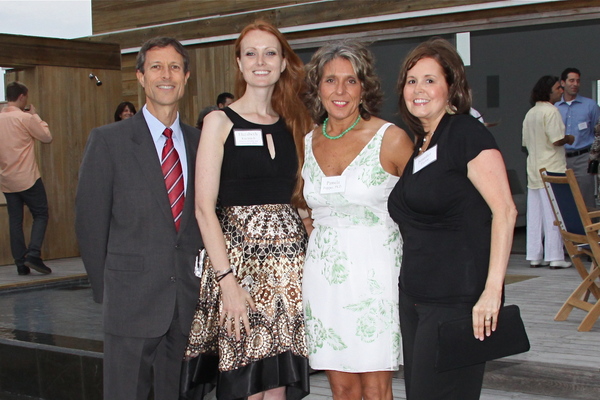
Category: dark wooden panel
<point>281,17</point>
<point>20,50</point>
<point>117,15</point>
<point>130,86</point>
<point>213,73</point>
<point>334,11</point>
<point>455,22</point>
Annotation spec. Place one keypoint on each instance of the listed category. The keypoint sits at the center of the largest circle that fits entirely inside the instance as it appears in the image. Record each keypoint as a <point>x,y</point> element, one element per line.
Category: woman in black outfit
<point>249,320</point>
<point>456,215</point>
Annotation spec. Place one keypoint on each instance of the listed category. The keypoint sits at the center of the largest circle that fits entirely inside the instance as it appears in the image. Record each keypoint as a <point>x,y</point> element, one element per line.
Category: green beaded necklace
<point>341,134</point>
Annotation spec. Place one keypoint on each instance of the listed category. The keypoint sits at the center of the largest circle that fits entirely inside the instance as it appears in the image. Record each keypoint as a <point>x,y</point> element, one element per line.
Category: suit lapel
<point>145,153</point>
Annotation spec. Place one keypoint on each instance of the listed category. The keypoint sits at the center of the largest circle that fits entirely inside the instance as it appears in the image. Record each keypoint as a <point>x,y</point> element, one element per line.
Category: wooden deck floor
<point>562,363</point>
<point>320,391</point>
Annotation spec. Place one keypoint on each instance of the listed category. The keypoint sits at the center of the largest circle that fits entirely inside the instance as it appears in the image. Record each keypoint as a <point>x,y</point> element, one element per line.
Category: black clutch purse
<point>457,347</point>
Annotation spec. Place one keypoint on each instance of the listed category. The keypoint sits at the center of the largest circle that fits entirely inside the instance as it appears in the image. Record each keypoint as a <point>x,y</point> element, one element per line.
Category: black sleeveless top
<point>249,176</point>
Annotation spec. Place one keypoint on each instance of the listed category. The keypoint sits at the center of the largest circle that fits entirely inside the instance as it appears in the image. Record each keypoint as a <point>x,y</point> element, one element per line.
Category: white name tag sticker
<point>248,137</point>
<point>333,184</point>
<point>425,159</point>
<point>582,126</point>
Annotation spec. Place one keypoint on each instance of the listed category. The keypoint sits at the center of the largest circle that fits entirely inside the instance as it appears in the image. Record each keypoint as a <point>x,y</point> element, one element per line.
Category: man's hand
<point>570,139</point>
<point>30,109</point>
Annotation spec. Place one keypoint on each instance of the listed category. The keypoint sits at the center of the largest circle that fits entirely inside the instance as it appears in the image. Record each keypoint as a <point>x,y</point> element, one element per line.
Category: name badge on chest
<point>582,125</point>
<point>333,184</point>
<point>425,159</point>
<point>248,137</point>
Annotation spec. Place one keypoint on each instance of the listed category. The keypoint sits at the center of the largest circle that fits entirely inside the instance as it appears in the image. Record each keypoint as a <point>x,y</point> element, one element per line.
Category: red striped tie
<point>171,168</point>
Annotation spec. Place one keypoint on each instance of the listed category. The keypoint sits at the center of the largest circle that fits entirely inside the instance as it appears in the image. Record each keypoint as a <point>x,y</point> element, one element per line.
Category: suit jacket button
<point>172,279</point>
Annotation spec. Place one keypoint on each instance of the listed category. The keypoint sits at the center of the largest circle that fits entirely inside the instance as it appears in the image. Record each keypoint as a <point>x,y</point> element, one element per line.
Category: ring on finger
<point>488,318</point>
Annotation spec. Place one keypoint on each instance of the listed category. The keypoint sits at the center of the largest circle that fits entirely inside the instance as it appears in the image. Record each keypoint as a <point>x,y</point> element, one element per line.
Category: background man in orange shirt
<point>20,179</point>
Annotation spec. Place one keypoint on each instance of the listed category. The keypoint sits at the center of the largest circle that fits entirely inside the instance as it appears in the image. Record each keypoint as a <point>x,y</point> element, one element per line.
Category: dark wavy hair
<point>121,107</point>
<point>459,93</point>
<point>286,99</point>
<point>363,64</point>
<point>542,89</point>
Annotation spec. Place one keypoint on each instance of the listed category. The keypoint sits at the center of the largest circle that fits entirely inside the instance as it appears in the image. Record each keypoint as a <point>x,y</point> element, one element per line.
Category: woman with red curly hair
<point>249,319</point>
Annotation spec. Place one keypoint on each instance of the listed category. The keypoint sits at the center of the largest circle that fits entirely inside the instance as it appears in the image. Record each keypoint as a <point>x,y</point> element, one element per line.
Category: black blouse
<point>444,220</point>
<point>249,176</point>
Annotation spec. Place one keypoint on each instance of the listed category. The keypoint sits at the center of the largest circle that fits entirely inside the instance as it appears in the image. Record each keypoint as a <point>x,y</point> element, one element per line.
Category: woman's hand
<point>308,225</point>
<point>307,221</point>
<point>235,301</point>
<point>485,313</point>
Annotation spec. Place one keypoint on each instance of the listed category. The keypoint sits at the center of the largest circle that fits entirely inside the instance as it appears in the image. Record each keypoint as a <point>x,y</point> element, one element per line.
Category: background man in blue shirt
<point>580,116</point>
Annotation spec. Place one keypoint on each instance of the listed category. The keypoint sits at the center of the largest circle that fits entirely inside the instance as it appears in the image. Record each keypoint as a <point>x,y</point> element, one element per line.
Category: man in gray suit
<point>138,239</point>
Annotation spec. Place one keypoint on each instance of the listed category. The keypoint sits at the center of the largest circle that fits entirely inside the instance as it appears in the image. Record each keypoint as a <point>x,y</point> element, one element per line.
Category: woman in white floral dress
<point>352,162</point>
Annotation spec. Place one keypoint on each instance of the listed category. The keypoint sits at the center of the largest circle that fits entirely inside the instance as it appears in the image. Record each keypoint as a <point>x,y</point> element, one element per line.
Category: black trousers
<point>35,199</point>
<point>419,326</point>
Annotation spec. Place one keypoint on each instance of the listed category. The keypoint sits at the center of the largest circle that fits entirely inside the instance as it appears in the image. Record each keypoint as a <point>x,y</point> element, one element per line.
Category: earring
<point>450,109</point>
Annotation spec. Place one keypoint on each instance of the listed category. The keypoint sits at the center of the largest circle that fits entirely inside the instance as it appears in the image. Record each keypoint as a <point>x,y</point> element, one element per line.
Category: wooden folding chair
<point>581,239</point>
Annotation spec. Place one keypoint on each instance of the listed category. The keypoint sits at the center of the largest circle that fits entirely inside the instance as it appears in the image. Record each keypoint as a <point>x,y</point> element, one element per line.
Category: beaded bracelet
<point>223,275</point>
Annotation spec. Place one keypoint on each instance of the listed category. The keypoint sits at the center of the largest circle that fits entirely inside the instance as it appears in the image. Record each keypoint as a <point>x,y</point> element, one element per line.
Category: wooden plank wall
<point>215,68</point>
<point>116,15</point>
<point>213,64</point>
<point>130,89</point>
<point>131,23</point>
<point>19,50</point>
<point>219,21</point>
<point>72,105</point>
<point>212,72</point>
<point>2,199</point>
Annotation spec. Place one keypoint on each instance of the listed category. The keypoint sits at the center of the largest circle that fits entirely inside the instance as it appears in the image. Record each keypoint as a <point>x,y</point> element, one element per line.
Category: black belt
<point>578,152</point>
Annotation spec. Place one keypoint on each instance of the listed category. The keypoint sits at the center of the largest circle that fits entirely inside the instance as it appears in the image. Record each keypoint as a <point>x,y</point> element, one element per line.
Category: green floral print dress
<point>350,286</point>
